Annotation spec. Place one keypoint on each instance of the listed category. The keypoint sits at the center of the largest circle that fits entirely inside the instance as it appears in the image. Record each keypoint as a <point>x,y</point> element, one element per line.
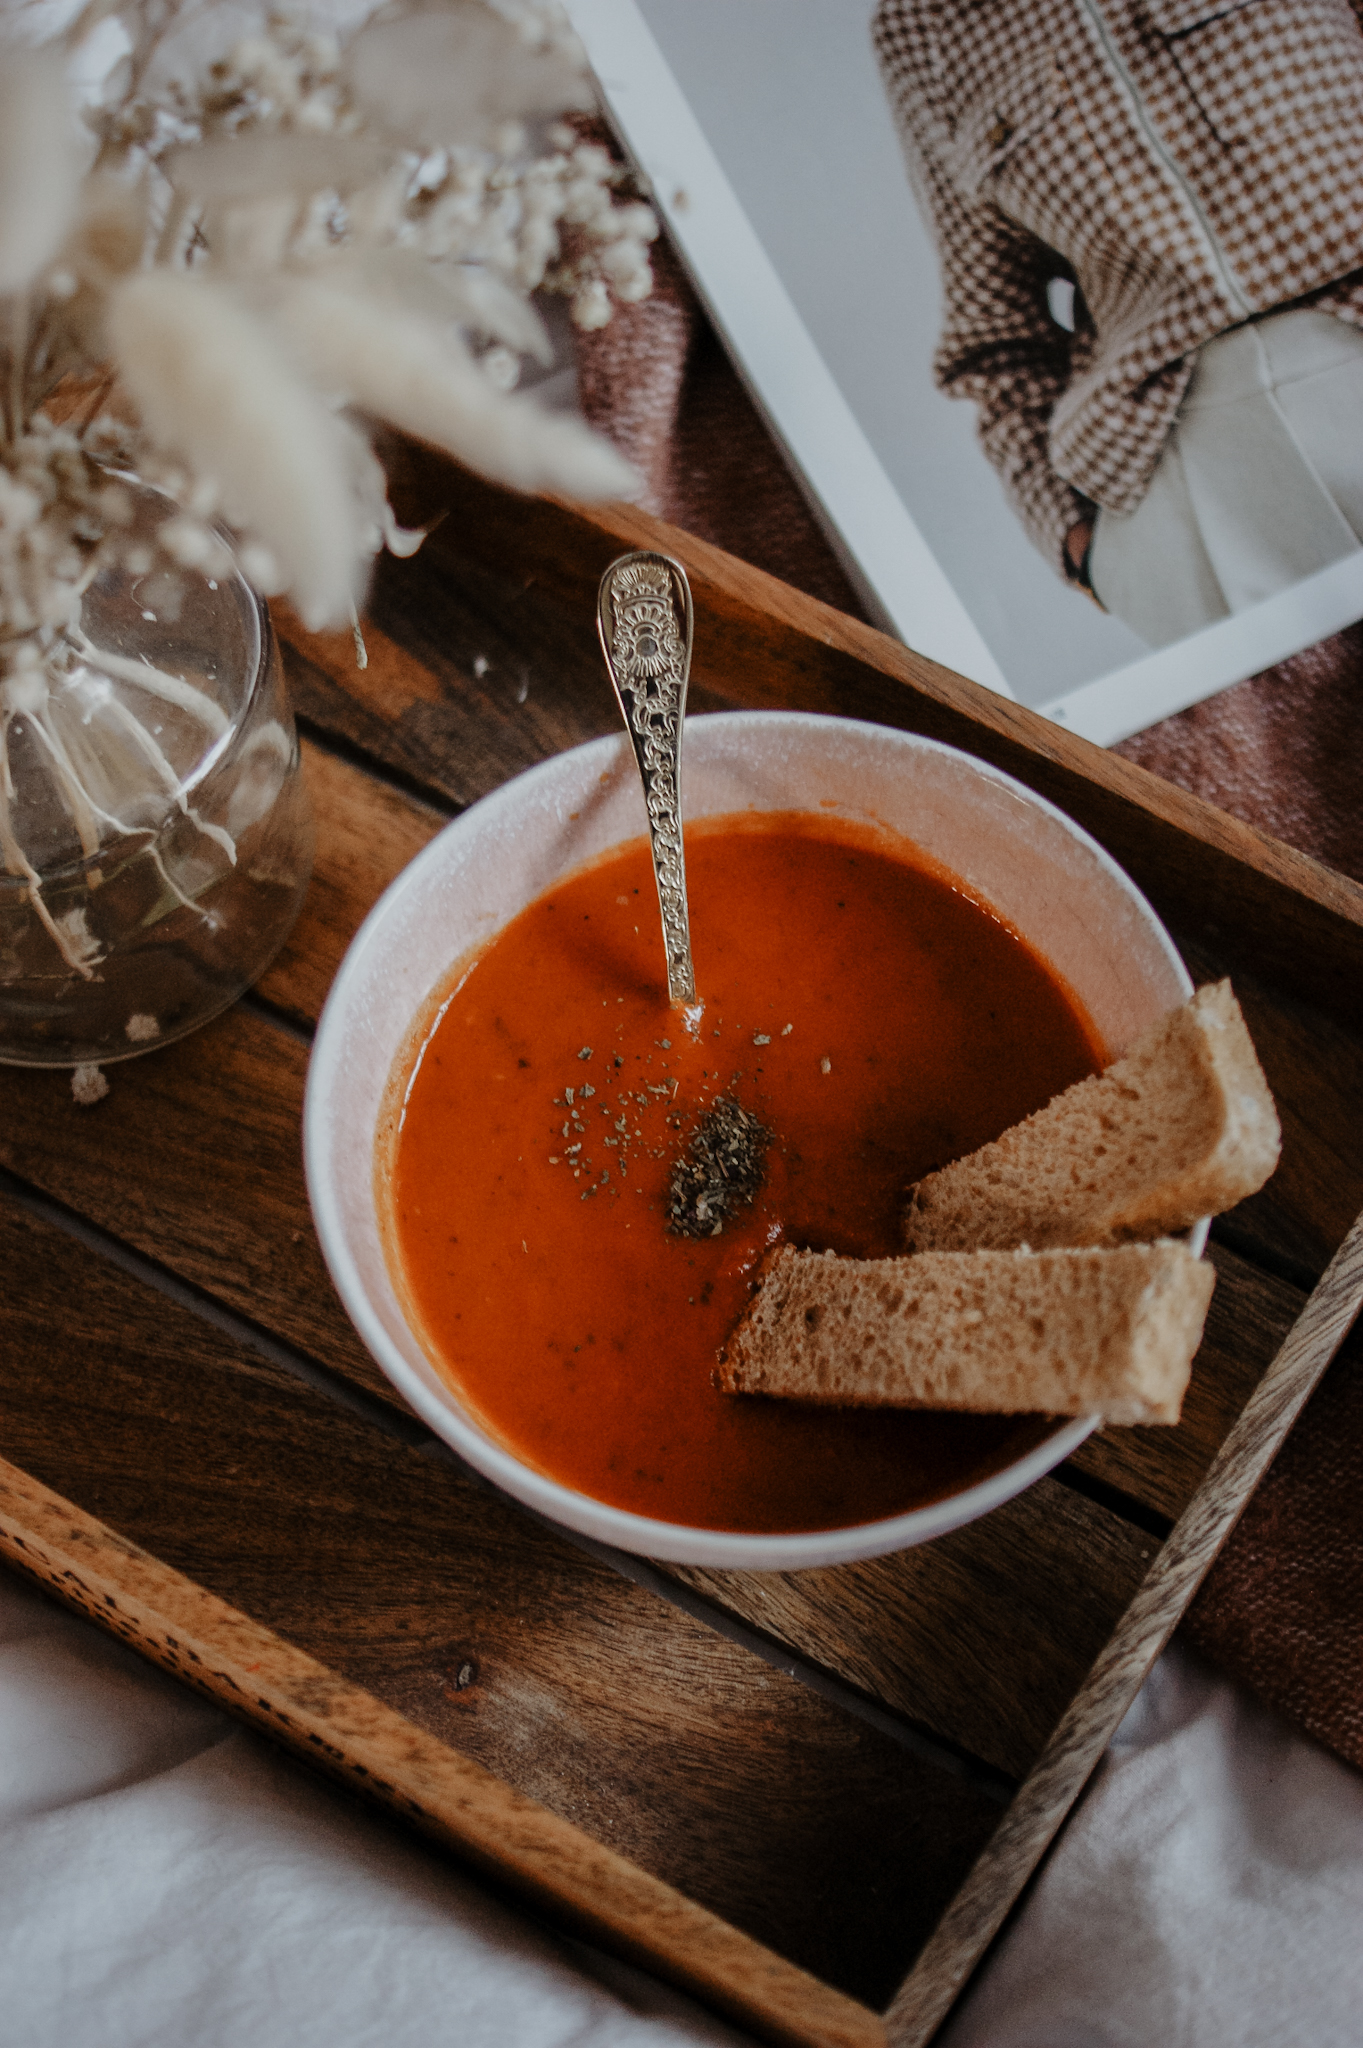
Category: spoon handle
<point>643,615</point>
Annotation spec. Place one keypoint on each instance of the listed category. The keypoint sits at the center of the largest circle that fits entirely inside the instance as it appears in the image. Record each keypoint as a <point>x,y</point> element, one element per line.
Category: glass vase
<point>155,832</point>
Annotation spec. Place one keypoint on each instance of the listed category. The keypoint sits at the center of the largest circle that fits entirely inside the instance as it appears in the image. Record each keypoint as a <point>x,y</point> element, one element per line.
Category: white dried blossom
<point>591,304</point>
<point>212,382</point>
<point>89,1085</point>
<point>39,166</point>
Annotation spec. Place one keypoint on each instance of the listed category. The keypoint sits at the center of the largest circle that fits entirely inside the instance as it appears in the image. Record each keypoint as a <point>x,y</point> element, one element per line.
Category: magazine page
<point>1086,422</point>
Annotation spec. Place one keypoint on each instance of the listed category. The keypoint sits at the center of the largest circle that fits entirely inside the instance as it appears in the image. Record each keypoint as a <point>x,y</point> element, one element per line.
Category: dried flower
<point>88,1084</point>
<point>269,238</point>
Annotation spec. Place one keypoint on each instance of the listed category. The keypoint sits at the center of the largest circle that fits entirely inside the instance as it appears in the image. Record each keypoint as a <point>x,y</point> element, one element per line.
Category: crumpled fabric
<point>1206,1893</point>
<point>167,1878</point>
<point>1282,1608</point>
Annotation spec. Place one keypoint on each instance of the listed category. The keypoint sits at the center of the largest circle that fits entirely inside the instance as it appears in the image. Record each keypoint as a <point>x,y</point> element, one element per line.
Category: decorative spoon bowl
<point>643,616</point>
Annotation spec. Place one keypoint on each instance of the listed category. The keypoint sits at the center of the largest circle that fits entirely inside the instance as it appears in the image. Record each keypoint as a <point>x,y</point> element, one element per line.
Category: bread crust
<point>1182,1126</point>
<point>1107,1332</point>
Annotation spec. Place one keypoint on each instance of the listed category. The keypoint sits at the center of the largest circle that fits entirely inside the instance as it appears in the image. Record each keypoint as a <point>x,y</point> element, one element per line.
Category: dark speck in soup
<point>857,1003</point>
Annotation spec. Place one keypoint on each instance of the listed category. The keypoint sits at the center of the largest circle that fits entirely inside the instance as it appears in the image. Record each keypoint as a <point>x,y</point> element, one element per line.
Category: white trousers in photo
<point>1260,482</point>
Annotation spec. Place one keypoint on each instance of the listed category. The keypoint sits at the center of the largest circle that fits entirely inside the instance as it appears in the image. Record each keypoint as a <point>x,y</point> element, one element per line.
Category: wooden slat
<point>1315,1069</point>
<point>761,643</point>
<point>979,1908</point>
<point>342,1730</point>
<point>490,1633</point>
<point>366,834</point>
<point>425,705</point>
<point>1250,1315</point>
<point>983,1637</point>
<point>194,1158</point>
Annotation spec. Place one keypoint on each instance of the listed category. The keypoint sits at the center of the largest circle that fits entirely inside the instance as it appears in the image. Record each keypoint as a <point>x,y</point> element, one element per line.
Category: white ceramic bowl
<point>1035,866</point>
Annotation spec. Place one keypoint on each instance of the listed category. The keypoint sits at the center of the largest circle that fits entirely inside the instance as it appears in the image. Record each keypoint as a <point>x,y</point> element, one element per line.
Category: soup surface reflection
<point>875,1019</point>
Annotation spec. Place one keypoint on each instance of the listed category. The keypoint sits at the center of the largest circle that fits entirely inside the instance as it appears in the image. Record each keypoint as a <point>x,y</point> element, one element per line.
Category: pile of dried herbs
<point>720,1171</point>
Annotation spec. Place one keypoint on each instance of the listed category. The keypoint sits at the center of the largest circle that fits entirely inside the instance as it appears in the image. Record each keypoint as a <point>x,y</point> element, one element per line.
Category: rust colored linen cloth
<point>1282,1609</point>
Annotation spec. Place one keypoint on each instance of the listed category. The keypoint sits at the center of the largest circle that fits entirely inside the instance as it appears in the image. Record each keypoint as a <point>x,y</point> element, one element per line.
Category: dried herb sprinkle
<point>720,1170</point>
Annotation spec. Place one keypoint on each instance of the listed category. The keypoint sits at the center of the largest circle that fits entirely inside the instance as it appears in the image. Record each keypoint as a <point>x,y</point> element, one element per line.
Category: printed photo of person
<point>1149,221</point>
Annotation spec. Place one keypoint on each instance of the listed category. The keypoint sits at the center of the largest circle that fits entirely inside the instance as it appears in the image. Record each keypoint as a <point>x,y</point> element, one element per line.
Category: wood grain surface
<point>1251,1312</point>
<point>761,643</point>
<point>195,1159</point>
<point>368,831</point>
<point>705,1766</point>
<point>341,1729</point>
<point>983,1636</point>
<point>205,1438</point>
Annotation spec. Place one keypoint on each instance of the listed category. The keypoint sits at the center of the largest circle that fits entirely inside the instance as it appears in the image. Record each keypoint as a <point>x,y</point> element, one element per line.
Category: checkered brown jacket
<point>1188,163</point>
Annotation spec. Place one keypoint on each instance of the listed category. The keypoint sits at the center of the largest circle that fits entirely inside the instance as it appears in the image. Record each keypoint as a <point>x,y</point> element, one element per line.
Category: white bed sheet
<point>167,1878</point>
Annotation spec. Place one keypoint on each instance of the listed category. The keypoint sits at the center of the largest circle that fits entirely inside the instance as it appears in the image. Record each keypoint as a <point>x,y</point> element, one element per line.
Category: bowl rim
<point>565,1506</point>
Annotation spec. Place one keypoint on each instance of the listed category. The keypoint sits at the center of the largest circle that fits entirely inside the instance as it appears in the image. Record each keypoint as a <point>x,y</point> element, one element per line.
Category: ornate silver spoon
<point>643,615</point>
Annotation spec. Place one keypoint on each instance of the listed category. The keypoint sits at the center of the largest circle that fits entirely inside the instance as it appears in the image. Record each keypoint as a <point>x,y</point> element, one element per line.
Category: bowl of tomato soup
<point>899,952</point>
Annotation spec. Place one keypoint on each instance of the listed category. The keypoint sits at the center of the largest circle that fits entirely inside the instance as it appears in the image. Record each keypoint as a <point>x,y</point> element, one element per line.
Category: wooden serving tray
<point>810,1798</point>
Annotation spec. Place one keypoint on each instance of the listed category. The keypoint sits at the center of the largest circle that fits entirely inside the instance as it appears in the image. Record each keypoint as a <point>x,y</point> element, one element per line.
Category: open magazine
<point>766,130</point>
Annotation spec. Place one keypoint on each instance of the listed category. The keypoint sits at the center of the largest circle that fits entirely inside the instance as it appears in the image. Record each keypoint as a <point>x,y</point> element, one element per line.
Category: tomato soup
<point>857,1003</point>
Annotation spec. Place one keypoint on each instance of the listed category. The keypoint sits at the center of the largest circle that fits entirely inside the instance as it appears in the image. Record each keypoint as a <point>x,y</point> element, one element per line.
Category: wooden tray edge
<point>764,644</point>
<point>476,526</point>
<point>756,590</point>
<point>373,1750</point>
<point>1056,1780</point>
<point>342,1729</point>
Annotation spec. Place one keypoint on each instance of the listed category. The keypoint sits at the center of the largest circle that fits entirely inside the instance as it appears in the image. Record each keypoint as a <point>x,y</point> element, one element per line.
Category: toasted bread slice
<point>1181,1126</point>
<point>1106,1332</point>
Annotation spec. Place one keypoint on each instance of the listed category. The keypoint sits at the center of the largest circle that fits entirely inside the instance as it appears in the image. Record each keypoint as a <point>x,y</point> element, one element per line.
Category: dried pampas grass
<point>40,167</point>
<point>277,223</point>
<point>264,166</point>
<point>402,368</point>
<point>213,387</point>
<point>282,234</point>
<point>463,295</point>
<point>455,73</point>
